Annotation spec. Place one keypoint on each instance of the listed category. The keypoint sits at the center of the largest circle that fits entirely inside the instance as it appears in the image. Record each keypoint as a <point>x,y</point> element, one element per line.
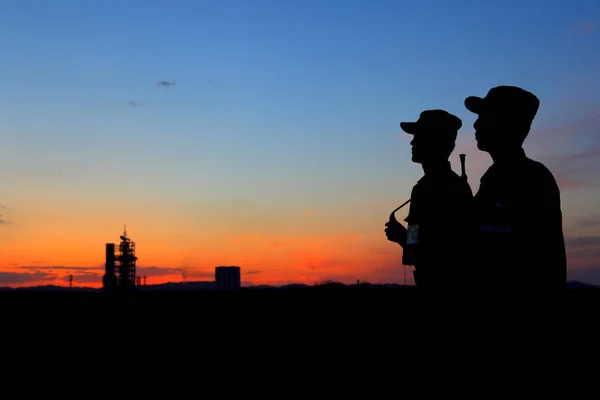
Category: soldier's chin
<point>416,159</point>
<point>482,146</point>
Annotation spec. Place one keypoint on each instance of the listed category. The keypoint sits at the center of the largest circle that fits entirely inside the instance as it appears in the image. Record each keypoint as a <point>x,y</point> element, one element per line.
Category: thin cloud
<point>16,278</point>
<point>131,103</point>
<point>213,83</point>
<point>153,271</point>
<point>308,212</point>
<point>4,221</point>
<point>203,274</point>
<point>84,277</point>
<point>591,221</point>
<point>165,83</point>
<point>61,267</point>
<point>158,271</point>
<point>586,28</point>
<point>577,168</point>
<point>580,242</point>
<point>186,273</point>
<point>583,251</point>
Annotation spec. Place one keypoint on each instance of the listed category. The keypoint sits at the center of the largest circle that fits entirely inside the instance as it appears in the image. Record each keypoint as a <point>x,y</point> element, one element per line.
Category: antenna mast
<point>462,166</point>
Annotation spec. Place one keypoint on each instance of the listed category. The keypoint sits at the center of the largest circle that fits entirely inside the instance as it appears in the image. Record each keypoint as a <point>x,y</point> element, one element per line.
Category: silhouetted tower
<point>120,273</point>
<point>70,281</point>
<point>144,281</point>
<point>227,278</point>
<point>125,263</point>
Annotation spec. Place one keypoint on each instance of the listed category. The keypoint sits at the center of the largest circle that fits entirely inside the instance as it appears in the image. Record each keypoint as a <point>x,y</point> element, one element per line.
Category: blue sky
<point>278,105</point>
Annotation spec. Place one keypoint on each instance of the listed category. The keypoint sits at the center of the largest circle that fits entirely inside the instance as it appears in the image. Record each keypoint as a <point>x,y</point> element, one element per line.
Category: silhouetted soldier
<point>518,241</point>
<point>440,199</point>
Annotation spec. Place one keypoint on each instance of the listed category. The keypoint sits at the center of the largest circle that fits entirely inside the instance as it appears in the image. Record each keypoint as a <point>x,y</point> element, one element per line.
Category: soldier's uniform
<point>439,216</point>
<point>518,239</point>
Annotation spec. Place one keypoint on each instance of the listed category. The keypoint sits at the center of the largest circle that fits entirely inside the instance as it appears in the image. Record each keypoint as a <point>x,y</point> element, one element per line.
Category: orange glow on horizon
<point>263,259</point>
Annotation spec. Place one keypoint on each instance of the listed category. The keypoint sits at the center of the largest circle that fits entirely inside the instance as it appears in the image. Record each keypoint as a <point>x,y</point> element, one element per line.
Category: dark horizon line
<point>572,283</point>
<point>318,283</point>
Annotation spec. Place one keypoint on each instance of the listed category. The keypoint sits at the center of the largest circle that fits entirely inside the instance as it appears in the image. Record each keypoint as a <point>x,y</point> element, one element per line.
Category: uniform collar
<point>443,169</point>
<point>506,165</point>
<point>514,158</point>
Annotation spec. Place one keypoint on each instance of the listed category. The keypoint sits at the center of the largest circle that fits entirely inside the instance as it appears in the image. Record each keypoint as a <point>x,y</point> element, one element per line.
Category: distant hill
<point>50,288</point>
<point>169,286</point>
<point>211,285</point>
<point>198,285</point>
<point>580,285</point>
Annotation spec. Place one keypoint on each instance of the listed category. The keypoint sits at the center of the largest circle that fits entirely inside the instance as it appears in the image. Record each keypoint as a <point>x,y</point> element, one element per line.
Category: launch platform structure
<point>120,273</point>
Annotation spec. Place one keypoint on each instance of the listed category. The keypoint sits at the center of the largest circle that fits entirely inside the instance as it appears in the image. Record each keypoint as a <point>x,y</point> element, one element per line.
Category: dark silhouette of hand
<point>395,232</point>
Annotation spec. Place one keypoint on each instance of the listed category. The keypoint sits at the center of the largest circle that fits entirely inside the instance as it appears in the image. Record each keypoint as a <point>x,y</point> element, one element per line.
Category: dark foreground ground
<point>161,322</point>
<point>311,298</point>
<point>312,334</point>
<point>319,299</point>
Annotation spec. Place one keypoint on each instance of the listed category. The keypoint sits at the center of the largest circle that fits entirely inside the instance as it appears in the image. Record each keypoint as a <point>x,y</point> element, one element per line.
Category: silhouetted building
<point>120,270</point>
<point>227,278</point>
<point>109,281</point>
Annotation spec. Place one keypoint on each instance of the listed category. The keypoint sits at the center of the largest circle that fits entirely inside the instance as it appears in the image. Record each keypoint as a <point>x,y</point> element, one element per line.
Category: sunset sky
<point>273,141</point>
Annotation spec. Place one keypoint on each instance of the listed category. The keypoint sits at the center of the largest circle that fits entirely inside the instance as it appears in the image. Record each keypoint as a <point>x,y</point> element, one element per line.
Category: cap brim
<point>474,104</point>
<point>409,127</point>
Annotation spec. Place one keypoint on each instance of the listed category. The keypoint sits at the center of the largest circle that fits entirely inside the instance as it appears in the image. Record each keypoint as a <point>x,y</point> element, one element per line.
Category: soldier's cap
<point>512,102</point>
<point>438,123</point>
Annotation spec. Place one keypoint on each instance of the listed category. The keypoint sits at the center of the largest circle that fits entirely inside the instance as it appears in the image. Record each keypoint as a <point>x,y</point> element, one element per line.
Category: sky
<point>265,134</point>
